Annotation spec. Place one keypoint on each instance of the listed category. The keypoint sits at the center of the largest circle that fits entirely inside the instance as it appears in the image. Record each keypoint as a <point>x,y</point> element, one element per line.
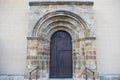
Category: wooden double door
<point>61,55</point>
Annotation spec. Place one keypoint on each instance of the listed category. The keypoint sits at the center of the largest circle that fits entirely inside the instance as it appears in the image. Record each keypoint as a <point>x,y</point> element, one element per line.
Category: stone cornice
<point>37,38</point>
<point>37,3</point>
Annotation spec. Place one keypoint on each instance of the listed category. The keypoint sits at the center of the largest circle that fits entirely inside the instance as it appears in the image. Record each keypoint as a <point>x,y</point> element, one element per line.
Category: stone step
<point>68,79</point>
<point>10,77</point>
<point>62,79</point>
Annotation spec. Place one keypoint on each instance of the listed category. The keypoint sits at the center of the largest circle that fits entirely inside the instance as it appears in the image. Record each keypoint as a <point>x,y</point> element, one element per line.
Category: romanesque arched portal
<point>38,57</point>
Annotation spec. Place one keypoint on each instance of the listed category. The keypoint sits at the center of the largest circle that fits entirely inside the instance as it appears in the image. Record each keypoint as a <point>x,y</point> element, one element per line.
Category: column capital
<point>83,39</point>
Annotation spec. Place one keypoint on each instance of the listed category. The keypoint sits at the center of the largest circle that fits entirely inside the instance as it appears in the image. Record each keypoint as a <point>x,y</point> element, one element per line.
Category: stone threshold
<point>62,79</point>
<point>67,79</point>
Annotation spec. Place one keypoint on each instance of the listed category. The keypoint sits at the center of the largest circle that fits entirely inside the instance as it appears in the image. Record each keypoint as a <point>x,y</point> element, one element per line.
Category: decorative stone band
<point>110,77</point>
<point>83,39</point>
<point>35,3</point>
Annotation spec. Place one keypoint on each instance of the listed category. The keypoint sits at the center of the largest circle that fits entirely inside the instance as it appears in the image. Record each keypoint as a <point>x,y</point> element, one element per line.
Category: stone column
<point>43,53</point>
<point>48,58</point>
<point>73,56</point>
<point>78,57</point>
<point>90,53</point>
<point>40,57</point>
<point>75,59</point>
<point>82,57</point>
<point>45,63</point>
<point>108,38</point>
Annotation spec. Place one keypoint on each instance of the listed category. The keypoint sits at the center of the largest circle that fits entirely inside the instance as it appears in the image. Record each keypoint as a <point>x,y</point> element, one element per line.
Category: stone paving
<point>22,78</point>
<point>10,77</point>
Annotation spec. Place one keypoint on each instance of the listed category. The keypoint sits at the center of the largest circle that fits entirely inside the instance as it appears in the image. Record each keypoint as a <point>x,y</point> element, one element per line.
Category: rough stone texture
<point>77,20</point>
<point>84,11</point>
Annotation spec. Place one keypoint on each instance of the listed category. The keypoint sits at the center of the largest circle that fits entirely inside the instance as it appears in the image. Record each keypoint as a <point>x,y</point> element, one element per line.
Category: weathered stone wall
<point>45,19</point>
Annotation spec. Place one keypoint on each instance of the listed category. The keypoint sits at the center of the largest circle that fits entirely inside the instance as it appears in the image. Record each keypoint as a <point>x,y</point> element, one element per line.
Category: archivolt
<point>59,20</point>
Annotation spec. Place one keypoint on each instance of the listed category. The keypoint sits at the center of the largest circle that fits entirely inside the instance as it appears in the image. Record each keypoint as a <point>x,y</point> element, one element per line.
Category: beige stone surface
<point>107,22</point>
<point>13,33</point>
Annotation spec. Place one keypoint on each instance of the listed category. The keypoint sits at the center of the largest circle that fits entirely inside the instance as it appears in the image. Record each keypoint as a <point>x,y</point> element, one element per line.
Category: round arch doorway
<point>61,55</point>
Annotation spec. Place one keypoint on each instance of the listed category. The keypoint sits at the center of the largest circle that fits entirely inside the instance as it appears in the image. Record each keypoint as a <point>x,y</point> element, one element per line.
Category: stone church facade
<point>46,18</point>
<point>84,36</point>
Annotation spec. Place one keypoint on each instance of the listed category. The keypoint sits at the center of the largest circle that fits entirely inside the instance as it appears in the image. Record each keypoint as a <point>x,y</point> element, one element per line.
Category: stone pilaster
<point>32,62</point>
<point>90,53</point>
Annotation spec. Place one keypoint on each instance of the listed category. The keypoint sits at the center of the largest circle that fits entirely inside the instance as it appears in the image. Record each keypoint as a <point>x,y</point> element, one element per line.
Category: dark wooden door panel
<point>61,55</point>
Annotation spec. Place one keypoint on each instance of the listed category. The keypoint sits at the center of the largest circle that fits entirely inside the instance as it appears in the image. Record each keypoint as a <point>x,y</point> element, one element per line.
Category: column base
<point>110,77</point>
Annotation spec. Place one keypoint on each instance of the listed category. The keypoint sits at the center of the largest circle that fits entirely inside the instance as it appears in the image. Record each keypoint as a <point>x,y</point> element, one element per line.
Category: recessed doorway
<point>61,55</point>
